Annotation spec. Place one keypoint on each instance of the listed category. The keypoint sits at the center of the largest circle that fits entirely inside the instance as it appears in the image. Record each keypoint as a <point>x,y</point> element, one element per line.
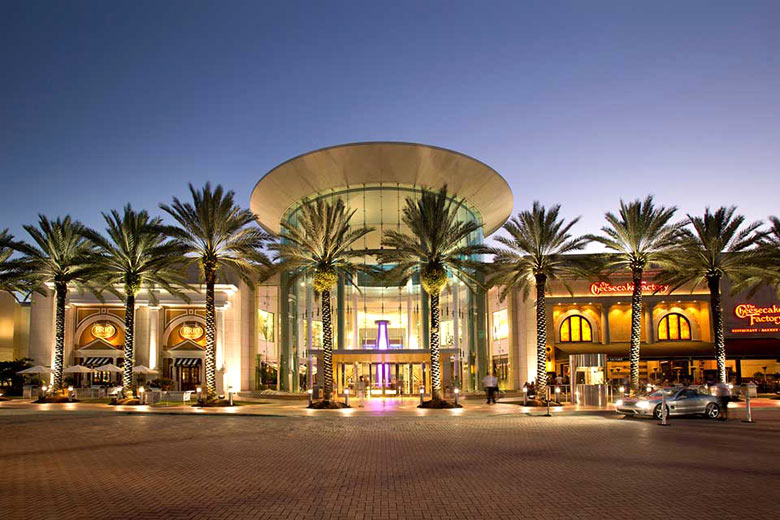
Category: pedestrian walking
<point>361,388</point>
<point>723,394</point>
<point>490,384</point>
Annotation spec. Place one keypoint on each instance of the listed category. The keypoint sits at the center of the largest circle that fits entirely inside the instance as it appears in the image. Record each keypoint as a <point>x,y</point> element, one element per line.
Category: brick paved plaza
<point>493,464</point>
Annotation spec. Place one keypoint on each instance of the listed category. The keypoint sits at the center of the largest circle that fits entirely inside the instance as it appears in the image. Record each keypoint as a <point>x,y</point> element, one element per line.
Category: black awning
<point>96,362</point>
<point>186,362</point>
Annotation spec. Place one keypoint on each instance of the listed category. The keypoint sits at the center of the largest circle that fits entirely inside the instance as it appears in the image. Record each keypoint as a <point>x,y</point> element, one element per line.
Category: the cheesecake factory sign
<point>606,288</point>
<point>757,319</point>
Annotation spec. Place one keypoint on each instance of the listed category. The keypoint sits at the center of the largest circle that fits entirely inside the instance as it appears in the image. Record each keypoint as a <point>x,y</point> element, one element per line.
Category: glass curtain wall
<point>360,311</point>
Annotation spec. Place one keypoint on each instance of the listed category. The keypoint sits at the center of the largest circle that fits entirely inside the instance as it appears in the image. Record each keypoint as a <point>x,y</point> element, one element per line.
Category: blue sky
<point>578,103</point>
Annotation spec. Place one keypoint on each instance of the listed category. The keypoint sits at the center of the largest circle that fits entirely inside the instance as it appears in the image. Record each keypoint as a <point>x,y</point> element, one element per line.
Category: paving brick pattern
<point>89,465</point>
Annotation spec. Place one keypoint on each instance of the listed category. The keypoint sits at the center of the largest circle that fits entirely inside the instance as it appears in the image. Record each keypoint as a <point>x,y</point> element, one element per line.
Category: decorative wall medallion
<point>191,332</point>
<point>103,330</point>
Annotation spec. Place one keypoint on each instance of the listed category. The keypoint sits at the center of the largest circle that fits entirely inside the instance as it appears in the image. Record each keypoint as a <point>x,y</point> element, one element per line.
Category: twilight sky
<point>580,103</point>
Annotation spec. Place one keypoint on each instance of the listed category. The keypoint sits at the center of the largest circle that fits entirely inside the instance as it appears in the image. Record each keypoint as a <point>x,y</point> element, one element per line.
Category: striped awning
<point>94,362</point>
<point>186,362</point>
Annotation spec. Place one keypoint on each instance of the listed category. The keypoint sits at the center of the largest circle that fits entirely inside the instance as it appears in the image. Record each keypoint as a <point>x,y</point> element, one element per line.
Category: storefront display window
<point>674,327</point>
<point>575,329</point>
<point>500,325</point>
<point>265,325</point>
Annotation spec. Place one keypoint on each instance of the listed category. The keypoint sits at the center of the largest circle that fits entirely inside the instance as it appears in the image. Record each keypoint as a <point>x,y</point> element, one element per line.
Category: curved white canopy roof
<point>406,164</point>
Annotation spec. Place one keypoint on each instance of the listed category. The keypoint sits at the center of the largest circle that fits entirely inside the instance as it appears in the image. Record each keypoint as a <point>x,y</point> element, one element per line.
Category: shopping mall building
<point>270,334</point>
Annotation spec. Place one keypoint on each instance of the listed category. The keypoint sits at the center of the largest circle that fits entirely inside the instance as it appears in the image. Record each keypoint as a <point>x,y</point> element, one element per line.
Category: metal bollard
<point>422,395</point>
<point>663,409</point>
<point>548,414</point>
<point>142,395</point>
<point>749,418</point>
<point>310,391</point>
<point>70,394</point>
<point>525,396</point>
<point>346,397</point>
<point>457,393</point>
<point>230,395</point>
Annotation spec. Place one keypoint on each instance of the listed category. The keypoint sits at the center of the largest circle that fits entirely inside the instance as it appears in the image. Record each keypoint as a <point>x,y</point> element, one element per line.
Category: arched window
<point>575,328</point>
<point>673,327</point>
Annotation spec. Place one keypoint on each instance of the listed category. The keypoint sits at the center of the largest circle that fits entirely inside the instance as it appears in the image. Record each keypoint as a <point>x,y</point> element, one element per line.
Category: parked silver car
<point>679,401</point>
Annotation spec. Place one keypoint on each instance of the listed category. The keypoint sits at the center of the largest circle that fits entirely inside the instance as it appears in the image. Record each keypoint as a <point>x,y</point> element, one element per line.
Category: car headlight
<point>643,405</point>
<point>619,402</point>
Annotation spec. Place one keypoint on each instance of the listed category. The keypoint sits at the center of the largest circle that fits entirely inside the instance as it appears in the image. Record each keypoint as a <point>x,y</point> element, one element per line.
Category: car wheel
<point>657,412</point>
<point>712,411</point>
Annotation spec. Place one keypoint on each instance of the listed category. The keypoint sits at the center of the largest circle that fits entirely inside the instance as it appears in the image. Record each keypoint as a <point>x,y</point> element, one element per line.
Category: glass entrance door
<point>383,379</point>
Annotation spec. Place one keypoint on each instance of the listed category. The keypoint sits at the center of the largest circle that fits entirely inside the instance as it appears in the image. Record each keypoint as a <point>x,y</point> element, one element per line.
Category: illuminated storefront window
<point>265,325</point>
<point>500,324</point>
<point>674,327</point>
<point>575,329</point>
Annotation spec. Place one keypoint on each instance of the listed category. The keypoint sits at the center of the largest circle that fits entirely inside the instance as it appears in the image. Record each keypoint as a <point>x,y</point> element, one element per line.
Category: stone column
<point>605,323</point>
<point>42,329</point>
<point>70,326</point>
<point>649,324</point>
<point>154,339</point>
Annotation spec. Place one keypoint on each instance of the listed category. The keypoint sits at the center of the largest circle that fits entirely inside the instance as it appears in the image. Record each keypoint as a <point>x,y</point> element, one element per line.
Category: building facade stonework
<point>269,334</point>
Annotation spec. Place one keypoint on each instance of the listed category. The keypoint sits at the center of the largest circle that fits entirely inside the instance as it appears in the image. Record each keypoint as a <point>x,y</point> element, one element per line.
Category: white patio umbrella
<point>37,369</point>
<point>109,368</point>
<point>143,369</point>
<point>78,369</point>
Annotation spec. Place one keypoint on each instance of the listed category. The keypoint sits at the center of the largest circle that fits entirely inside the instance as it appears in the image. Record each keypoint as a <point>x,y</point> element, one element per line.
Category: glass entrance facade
<point>369,317</point>
<point>383,378</point>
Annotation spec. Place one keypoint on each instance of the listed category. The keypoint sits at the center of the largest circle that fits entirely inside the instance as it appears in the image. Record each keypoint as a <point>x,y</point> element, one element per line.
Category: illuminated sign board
<point>103,330</point>
<point>191,332</point>
<point>606,288</point>
<point>756,319</point>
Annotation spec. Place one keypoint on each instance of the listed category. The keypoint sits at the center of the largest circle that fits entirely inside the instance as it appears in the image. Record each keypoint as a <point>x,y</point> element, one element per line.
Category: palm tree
<point>136,254</point>
<point>12,279</point>
<point>766,268</point>
<point>639,233</point>
<point>59,254</point>
<point>535,254</point>
<point>437,244</point>
<point>719,246</point>
<point>217,233</point>
<point>319,245</point>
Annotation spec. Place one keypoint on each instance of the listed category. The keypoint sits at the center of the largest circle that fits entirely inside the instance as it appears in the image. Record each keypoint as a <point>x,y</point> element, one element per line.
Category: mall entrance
<point>384,379</point>
<point>389,374</point>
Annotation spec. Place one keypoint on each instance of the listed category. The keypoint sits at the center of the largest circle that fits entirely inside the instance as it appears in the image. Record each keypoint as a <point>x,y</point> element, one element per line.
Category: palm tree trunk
<point>435,354</point>
<point>327,348</point>
<point>127,368</point>
<point>717,324</point>
<point>61,291</point>
<point>636,327</point>
<point>541,337</point>
<point>211,333</point>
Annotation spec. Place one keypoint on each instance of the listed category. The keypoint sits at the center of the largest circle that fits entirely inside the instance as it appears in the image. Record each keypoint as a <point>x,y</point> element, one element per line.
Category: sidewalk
<point>297,408</point>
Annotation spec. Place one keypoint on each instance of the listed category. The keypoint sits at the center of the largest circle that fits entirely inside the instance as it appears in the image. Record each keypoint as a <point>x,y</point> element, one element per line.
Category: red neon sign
<point>602,288</point>
<point>758,315</point>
